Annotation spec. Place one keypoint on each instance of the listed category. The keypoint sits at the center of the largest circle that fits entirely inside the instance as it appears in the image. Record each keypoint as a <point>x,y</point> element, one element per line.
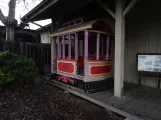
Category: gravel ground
<point>45,102</point>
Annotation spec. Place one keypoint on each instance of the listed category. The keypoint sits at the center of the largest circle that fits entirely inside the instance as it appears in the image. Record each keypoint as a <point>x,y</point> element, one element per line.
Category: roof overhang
<point>49,8</point>
<point>56,8</point>
<point>45,4</point>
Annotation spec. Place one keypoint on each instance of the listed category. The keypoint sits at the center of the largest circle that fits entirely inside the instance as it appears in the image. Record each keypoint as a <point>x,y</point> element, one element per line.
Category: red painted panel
<point>66,67</point>
<point>100,69</point>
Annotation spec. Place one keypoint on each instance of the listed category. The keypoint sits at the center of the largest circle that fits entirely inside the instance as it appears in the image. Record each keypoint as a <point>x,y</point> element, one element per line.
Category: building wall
<point>45,37</point>
<point>143,34</point>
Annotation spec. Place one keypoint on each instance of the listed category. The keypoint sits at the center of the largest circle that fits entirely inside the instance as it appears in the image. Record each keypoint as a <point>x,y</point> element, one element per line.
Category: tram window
<point>66,24</point>
<point>66,46</point>
<point>57,50</point>
<point>78,21</point>
<point>102,51</point>
<point>57,47</point>
<point>66,50</point>
<point>111,48</point>
<point>92,46</point>
<point>61,50</point>
<point>72,23</point>
<point>73,48</point>
<point>81,43</point>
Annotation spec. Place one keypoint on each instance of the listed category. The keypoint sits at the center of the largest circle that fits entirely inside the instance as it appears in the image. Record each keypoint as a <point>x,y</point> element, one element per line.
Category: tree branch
<point>25,5</point>
<point>2,17</point>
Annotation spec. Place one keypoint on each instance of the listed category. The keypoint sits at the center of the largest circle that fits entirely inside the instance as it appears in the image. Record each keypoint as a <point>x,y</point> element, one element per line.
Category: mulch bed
<point>45,102</point>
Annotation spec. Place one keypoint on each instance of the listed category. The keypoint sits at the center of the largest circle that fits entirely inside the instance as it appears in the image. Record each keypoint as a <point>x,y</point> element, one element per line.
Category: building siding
<point>45,37</point>
<point>143,35</point>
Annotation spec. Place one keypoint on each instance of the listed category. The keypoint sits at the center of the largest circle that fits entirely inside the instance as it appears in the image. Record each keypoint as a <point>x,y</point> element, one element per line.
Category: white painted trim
<point>106,8</point>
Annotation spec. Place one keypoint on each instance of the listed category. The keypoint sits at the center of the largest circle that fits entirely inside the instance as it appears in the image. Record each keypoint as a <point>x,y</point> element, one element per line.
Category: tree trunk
<point>8,45</point>
<point>10,33</point>
<point>11,12</point>
<point>9,21</point>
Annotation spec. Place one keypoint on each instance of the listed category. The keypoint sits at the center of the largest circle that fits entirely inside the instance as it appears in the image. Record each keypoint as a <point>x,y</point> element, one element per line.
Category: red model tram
<point>84,55</point>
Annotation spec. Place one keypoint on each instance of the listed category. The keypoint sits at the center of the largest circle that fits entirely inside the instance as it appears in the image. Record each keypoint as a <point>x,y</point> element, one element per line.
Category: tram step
<point>91,87</point>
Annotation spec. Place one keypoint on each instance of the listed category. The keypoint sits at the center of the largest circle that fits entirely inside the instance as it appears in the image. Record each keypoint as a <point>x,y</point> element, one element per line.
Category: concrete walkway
<point>138,103</point>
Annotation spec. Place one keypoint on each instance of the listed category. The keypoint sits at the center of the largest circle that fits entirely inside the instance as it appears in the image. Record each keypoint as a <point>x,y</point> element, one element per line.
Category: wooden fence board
<point>39,52</point>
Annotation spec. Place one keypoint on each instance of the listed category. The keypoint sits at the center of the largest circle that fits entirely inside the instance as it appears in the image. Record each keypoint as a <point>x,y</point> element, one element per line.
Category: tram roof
<point>79,27</point>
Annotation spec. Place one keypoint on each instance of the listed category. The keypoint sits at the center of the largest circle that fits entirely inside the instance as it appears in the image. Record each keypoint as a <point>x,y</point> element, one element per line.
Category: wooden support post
<point>107,47</point>
<point>119,49</point>
<point>76,46</point>
<point>98,46</point>
<point>63,47</point>
<point>86,46</point>
<point>69,48</point>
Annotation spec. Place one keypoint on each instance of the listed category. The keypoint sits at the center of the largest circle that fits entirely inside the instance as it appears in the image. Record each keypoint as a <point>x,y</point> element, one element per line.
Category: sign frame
<point>147,73</point>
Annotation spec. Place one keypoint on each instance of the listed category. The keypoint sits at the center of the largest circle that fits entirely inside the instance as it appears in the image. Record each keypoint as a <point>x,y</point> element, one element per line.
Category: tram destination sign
<point>149,63</point>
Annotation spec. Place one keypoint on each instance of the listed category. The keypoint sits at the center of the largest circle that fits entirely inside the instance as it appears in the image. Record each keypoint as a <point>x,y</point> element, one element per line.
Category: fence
<point>39,52</point>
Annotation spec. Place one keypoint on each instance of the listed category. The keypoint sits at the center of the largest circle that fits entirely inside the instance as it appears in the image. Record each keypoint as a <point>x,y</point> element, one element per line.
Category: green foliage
<point>4,54</point>
<point>5,77</point>
<point>21,68</point>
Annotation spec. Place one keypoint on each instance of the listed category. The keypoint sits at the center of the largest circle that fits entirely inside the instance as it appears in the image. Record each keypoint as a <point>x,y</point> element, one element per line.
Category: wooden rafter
<point>106,8</point>
<point>37,24</point>
<point>129,7</point>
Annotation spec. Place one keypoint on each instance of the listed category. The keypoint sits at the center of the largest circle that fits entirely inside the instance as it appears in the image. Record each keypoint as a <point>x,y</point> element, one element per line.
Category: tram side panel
<point>98,70</point>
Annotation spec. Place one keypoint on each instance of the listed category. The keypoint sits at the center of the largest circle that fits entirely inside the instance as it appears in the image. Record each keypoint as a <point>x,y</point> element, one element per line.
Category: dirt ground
<point>45,102</point>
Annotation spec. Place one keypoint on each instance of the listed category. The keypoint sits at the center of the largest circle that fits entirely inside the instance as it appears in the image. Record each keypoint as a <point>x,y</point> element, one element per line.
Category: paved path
<point>141,101</point>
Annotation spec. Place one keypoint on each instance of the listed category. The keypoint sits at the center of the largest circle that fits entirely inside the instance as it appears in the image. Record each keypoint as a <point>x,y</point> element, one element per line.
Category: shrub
<point>5,77</point>
<point>23,69</point>
<point>4,54</point>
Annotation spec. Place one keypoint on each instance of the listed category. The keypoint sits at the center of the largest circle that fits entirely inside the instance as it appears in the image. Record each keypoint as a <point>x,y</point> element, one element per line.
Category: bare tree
<point>9,21</point>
